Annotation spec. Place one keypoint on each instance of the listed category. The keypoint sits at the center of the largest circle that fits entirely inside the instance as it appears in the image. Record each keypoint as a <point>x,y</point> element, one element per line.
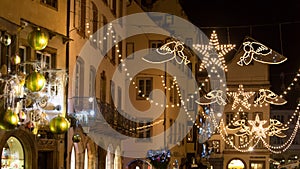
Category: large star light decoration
<point>241,99</point>
<point>257,126</point>
<point>213,53</point>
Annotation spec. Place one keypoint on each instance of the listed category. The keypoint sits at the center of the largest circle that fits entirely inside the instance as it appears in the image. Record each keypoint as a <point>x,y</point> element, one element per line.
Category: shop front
<point>18,150</point>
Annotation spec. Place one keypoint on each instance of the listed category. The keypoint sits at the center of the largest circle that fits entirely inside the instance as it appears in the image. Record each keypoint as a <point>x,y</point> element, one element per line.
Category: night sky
<point>274,24</point>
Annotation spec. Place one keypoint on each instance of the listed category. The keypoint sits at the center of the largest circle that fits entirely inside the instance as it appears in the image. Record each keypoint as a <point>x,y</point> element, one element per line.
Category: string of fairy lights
<point>214,48</point>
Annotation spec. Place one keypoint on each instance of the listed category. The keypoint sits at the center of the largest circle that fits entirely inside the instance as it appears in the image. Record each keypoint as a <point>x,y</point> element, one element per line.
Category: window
<point>169,19</point>
<point>103,87</point>
<point>257,164</point>
<point>112,42</point>
<point>12,154</point>
<point>92,81</point>
<point>50,3</point>
<point>155,44</point>
<point>81,18</point>
<point>145,130</point>
<point>236,163</point>
<point>95,17</point>
<point>171,132</point>
<point>145,85</point>
<point>103,34</point>
<point>189,42</point>
<point>216,146</point>
<point>119,52</point>
<point>231,141</point>
<point>243,140</point>
<point>229,118</point>
<point>47,59</point>
<point>191,102</point>
<point>190,133</point>
<point>119,98</point>
<point>244,116</point>
<point>120,11</point>
<point>73,158</point>
<point>129,50</point>
<point>112,91</point>
<point>79,77</point>
<point>86,159</point>
<point>279,118</point>
<point>23,56</point>
<point>258,143</point>
<point>113,7</point>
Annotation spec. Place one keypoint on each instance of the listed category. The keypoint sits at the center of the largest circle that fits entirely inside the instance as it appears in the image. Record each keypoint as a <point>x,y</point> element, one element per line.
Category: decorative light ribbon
<point>175,48</point>
<point>268,96</point>
<point>254,50</point>
<point>214,96</point>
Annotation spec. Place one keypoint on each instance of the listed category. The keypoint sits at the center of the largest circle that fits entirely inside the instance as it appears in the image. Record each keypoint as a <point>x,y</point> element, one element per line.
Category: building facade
<point>30,143</point>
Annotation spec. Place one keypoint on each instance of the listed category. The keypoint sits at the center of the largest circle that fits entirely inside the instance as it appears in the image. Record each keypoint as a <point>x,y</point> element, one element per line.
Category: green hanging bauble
<point>35,81</point>
<point>37,39</point>
<point>9,120</point>
<point>76,138</point>
<point>59,125</point>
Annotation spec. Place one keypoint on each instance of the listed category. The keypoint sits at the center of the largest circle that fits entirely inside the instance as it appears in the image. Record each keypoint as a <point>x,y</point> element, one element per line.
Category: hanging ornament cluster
<point>34,98</point>
<point>38,39</point>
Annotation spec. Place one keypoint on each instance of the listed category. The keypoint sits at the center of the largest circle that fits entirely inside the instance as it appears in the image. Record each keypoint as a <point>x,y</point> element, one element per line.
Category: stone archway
<point>28,143</point>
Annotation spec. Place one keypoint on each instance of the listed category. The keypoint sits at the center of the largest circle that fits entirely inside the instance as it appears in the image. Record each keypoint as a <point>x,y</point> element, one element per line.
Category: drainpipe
<point>67,84</point>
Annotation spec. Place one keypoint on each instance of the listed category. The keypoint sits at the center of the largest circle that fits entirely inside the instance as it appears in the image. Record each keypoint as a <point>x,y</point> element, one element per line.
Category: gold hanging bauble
<point>76,138</point>
<point>35,81</point>
<point>38,39</point>
<point>59,125</point>
<point>10,120</point>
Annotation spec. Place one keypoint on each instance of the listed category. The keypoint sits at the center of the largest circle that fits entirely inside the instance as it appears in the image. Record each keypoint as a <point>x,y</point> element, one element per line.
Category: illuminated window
<point>86,159</point>
<point>257,164</point>
<point>12,154</point>
<point>236,164</point>
<point>73,158</point>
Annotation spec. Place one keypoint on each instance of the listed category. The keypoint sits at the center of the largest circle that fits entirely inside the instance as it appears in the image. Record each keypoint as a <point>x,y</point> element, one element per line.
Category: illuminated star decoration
<point>254,50</point>
<point>257,126</point>
<point>241,98</point>
<point>170,50</point>
<point>214,96</point>
<point>213,48</point>
<point>265,95</point>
